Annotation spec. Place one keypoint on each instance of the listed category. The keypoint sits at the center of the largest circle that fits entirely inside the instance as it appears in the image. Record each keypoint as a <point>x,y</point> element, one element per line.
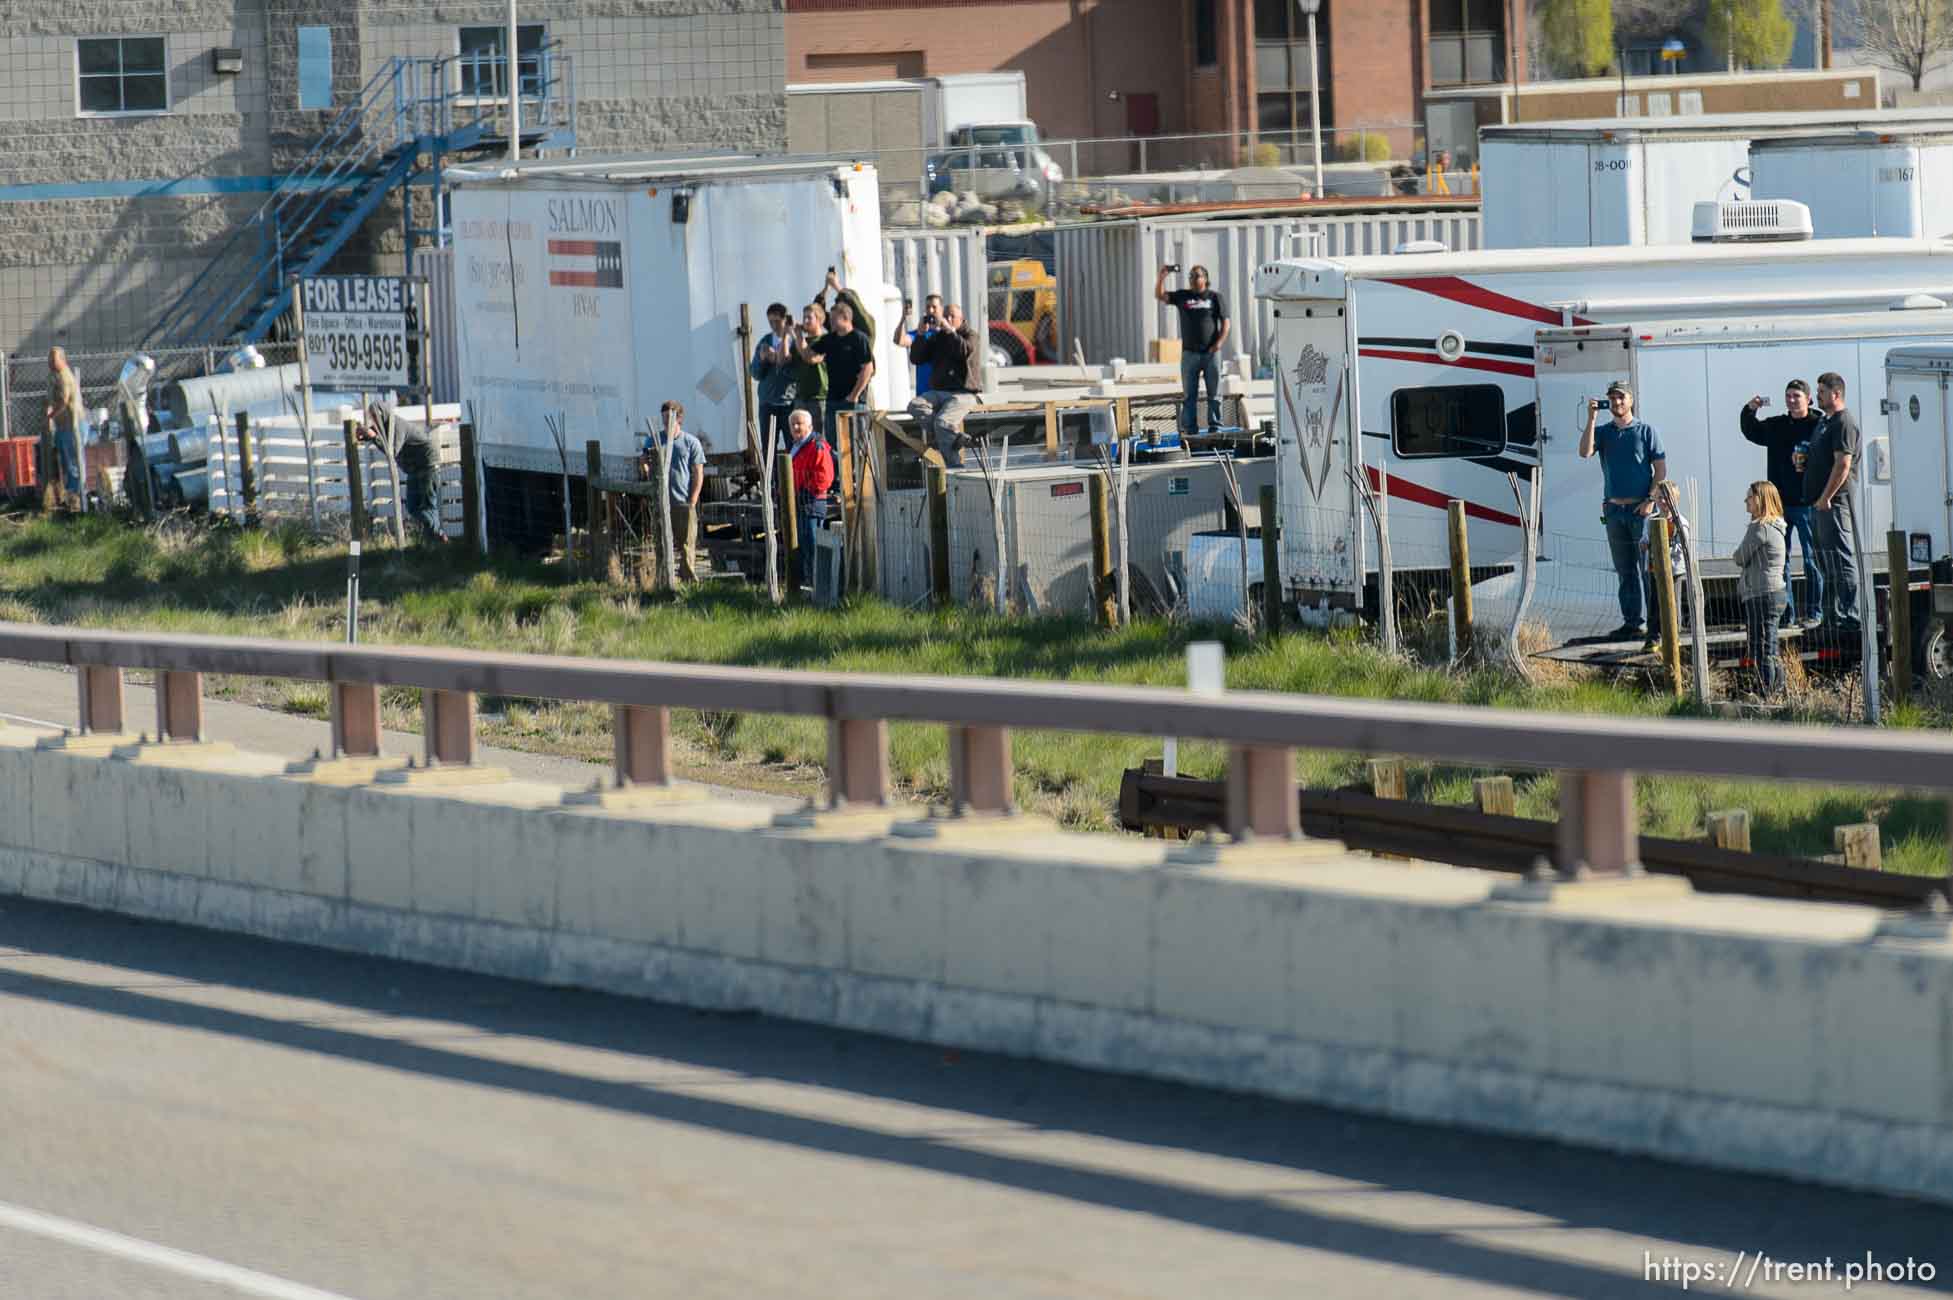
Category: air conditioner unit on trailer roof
<point>1744,221</point>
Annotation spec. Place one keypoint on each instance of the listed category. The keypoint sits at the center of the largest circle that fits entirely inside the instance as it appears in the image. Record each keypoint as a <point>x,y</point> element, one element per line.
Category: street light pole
<point>515,92</point>
<point>1309,8</point>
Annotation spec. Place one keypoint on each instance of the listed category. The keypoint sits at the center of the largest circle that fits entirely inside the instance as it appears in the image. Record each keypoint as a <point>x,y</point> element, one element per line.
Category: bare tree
<point>1637,20</point>
<point>1907,36</point>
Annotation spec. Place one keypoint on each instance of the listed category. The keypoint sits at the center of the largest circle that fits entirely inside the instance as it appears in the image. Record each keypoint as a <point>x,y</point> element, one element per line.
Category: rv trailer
<point>1419,375</point>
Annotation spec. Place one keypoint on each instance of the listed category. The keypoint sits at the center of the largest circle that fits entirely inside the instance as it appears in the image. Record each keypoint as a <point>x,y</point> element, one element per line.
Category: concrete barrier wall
<point>1773,1036</point>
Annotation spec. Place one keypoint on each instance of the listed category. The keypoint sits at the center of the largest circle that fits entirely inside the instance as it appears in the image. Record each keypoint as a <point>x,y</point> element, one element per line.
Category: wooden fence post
<point>596,518</point>
<point>1729,829</point>
<point>1271,563</point>
<point>1461,576</point>
<point>1858,846</point>
<point>1105,593</point>
<point>247,470</point>
<point>355,486</point>
<point>786,520</point>
<point>1387,778</point>
<point>471,529</point>
<point>1495,795</point>
<point>939,534</point>
<point>1664,576</point>
<point>1899,599</point>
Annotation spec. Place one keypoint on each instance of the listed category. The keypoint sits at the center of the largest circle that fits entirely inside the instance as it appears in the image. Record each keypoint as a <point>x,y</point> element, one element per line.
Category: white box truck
<point>1894,179</point>
<point>591,293</point>
<point>1635,180</point>
<point>1419,375</point>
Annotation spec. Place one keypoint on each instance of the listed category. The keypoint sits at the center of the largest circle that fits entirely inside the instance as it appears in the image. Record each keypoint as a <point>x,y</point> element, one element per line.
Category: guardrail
<point>1596,756</point>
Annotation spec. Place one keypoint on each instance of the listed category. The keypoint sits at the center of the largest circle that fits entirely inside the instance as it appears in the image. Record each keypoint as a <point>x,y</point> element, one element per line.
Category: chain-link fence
<point>24,379</point>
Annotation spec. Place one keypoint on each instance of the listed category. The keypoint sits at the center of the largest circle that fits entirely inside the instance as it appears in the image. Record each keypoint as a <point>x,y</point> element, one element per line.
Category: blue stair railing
<point>410,109</point>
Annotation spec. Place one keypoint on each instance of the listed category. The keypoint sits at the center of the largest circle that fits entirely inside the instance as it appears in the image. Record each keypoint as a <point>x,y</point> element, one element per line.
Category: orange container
<point>18,465</point>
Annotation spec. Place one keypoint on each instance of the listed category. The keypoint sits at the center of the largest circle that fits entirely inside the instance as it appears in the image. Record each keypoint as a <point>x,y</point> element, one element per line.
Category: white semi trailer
<point>587,294</point>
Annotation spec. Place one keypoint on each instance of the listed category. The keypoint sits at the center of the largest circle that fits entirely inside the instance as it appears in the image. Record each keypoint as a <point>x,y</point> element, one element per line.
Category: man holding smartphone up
<point>1632,461</point>
<point>1203,330</point>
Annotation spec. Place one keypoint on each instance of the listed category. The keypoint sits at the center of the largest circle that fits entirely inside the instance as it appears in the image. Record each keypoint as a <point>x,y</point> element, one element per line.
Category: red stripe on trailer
<point>573,247</point>
<point>1458,289</point>
<point>1406,490</point>
<point>1519,368</point>
<point>576,279</point>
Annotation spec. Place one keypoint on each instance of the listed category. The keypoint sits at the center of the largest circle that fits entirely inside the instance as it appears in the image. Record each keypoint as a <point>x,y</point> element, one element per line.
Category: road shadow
<point>1580,1190</point>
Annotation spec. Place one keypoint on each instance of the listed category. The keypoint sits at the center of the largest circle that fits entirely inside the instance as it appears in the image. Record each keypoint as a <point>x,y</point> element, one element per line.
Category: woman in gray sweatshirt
<point>1760,583</point>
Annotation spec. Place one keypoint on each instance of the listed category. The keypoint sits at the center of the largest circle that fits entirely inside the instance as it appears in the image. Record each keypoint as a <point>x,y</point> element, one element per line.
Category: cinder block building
<point>148,139</point>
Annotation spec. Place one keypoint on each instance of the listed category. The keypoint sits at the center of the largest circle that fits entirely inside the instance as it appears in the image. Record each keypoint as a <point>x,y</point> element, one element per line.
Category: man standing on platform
<point>1632,461</point>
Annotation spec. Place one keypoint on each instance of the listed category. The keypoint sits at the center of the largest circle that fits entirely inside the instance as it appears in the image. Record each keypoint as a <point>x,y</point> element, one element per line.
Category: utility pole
<point>515,94</point>
<point>1309,8</point>
<point>1824,21</point>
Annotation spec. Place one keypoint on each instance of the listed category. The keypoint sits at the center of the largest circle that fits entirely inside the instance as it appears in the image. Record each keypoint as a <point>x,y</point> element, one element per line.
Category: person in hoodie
<point>1760,583</point>
<point>1780,436</point>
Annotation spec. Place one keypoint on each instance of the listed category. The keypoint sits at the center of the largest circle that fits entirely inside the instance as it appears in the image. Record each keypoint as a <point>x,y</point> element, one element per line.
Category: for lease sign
<point>356,332</point>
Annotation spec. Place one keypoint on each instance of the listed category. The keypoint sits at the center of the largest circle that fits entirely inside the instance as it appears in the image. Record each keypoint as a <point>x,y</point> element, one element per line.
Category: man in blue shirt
<point>1632,461</point>
<point>684,484</point>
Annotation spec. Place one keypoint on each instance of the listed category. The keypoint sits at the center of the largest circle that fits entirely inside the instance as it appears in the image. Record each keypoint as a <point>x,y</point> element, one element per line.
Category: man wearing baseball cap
<point>1632,461</point>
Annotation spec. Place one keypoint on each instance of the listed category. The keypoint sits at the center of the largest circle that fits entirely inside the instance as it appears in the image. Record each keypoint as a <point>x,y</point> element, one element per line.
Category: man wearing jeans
<point>1827,486</point>
<point>1780,436</point>
<point>1203,330</point>
<point>1632,461</point>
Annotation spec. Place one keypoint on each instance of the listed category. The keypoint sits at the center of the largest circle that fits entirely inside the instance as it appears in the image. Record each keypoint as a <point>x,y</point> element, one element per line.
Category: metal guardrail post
<point>857,762</point>
<point>355,720</point>
<point>980,770</point>
<point>1597,823</point>
<point>179,705</point>
<point>100,698</point>
<point>448,727</point>
<point>642,738</point>
<point>1261,792</point>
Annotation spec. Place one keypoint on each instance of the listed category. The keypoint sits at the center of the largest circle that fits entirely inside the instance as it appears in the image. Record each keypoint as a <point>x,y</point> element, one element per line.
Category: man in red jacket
<point>813,479</point>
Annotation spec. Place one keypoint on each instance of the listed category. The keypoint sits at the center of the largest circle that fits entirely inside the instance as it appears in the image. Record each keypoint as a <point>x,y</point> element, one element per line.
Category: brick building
<point>141,134</point>
<point>1151,67</point>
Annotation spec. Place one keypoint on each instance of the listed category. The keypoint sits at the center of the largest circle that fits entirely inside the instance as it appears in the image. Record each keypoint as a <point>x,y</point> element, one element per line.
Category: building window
<point>484,51</point>
<point>1467,42</point>
<point>121,74</point>
<point>1207,40</point>
<point>1452,420</point>
<point>314,68</point>
<point>1283,72</point>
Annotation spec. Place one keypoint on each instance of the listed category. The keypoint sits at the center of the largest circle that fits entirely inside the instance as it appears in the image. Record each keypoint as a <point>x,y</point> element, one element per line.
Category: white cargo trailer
<point>1422,371</point>
<point>1894,179</point>
<point>1920,419</point>
<point>1635,180</point>
<point>591,293</point>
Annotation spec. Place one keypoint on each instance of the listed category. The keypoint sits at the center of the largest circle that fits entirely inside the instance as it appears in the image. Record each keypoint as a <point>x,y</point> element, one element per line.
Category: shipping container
<point>1895,179</point>
<point>1106,270</point>
<point>1637,180</point>
<point>587,294</point>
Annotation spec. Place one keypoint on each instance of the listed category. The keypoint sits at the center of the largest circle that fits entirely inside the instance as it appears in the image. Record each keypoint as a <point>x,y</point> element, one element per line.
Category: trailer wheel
<point>1932,656</point>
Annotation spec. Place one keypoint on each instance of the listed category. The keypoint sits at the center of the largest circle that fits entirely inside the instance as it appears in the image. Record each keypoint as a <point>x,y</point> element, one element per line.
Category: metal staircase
<point>396,136</point>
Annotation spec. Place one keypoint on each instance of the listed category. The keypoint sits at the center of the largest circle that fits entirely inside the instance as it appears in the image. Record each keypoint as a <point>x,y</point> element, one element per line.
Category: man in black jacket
<point>954,358</point>
<point>1780,436</point>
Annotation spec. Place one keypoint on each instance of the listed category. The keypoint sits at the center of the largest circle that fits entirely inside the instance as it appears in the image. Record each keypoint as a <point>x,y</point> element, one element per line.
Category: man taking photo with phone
<point>1203,330</point>
<point>1632,461</point>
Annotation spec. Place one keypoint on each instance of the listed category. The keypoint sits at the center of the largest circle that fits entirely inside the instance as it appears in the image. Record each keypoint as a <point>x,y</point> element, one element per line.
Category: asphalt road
<point>193,1115</point>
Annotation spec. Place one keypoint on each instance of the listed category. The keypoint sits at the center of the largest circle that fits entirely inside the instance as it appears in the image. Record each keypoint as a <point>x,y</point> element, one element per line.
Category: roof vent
<point>1919,302</point>
<point>1745,221</point>
<point>1421,246</point>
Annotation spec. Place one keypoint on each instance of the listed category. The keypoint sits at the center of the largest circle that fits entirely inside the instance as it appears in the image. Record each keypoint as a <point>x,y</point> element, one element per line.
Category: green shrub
<point>1268,155</point>
<point>1364,146</point>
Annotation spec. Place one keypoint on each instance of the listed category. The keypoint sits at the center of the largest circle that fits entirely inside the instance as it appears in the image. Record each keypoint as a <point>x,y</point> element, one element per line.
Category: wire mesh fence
<point>24,379</point>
